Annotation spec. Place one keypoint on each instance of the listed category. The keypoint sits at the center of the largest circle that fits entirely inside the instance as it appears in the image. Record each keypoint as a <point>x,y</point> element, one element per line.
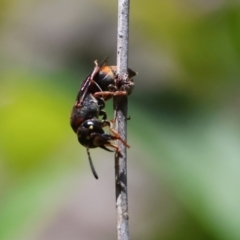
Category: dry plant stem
<point>120,116</point>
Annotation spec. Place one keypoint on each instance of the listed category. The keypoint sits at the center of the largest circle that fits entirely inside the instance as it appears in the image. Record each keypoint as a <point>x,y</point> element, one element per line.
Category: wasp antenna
<point>91,164</point>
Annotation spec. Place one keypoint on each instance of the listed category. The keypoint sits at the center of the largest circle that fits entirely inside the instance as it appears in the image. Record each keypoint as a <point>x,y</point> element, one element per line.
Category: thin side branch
<point>120,115</point>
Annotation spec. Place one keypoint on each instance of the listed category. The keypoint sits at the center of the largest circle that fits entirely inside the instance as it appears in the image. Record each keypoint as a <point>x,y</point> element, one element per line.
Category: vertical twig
<point>120,116</point>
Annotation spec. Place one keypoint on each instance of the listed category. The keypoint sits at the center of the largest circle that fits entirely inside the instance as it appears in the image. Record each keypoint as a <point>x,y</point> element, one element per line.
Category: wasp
<point>99,86</point>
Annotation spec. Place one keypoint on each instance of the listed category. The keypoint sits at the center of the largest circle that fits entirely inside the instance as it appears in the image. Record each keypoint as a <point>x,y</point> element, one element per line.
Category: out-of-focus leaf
<point>33,199</point>
<point>203,44</point>
<point>34,119</point>
<point>200,158</point>
<point>36,159</point>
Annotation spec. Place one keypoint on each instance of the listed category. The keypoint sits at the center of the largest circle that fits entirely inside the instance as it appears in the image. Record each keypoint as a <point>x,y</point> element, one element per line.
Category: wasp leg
<point>95,70</point>
<point>108,94</point>
<point>104,114</point>
<point>105,148</point>
<point>116,134</point>
<point>113,146</point>
<point>84,89</point>
<point>101,104</point>
<point>116,148</point>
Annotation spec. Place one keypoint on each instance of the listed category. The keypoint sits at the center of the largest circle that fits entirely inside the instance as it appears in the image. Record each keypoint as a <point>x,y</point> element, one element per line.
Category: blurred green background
<point>184,160</point>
